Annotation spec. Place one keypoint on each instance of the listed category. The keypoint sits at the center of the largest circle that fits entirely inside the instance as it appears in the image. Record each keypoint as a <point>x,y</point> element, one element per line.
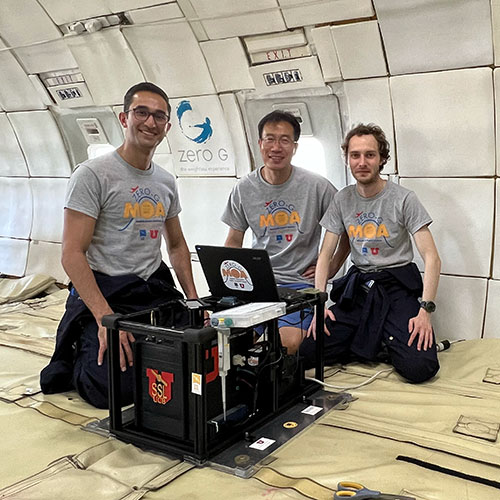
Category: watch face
<point>428,306</point>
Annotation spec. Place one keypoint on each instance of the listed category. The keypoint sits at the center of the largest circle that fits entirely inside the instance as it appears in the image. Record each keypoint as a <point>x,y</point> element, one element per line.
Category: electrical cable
<point>350,387</point>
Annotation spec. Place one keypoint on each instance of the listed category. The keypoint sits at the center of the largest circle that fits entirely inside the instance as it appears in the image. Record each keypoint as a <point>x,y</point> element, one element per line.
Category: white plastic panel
<point>233,76</point>
<point>425,35</point>
<point>47,57</point>
<point>74,10</point>
<point>45,258</point>
<point>492,321</point>
<point>13,256</point>
<point>48,209</point>
<point>496,248</point>
<point>41,143</point>
<point>154,14</point>
<point>237,131</point>
<point>462,210</point>
<point>327,53</point>
<point>495,15</point>
<point>359,50</point>
<point>123,5</point>
<point>445,123</point>
<point>299,13</point>
<point>11,158</point>
<point>496,79</point>
<point>287,75</point>
<point>199,137</point>
<point>369,101</point>
<point>170,56</point>
<point>107,63</point>
<point>203,200</point>
<point>16,90</point>
<point>16,207</point>
<point>460,308</point>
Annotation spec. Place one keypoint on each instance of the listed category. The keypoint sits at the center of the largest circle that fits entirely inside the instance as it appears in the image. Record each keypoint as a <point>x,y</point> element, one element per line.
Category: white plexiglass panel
<point>41,143</point>
<point>460,308</point>
<point>369,101</point>
<point>445,123</point>
<point>16,90</point>
<point>203,200</point>
<point>299,13</point>
<point>425,35</point>
<point>11,158</point>
<point>359,50</point>
<point>107,63</point>
<point>232,115</point>
<point>13,256</point>
<point>170,56</point>
<point>74,10</point>
<point>327,54</point>
<point>16,207</point>
<point>45,258</point>
<point>462,210</point>
<point>492,321</point>
<point>48,208</point>
<point>234,76</point>
<point>496,249</point>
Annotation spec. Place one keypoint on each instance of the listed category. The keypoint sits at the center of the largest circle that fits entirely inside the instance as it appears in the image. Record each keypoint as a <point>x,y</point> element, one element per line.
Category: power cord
<point>350,387</point>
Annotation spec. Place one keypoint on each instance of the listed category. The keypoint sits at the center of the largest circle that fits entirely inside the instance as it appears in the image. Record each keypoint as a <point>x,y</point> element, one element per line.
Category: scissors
<point>349,489</point>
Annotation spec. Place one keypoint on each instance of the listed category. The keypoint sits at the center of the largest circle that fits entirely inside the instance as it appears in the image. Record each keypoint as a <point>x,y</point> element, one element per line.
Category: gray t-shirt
<point>284,218</point>
<point>379,228</point>
<point>130,207</point>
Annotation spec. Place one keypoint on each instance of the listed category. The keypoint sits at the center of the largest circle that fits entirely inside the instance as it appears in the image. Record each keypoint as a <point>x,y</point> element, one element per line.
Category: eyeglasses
<point>142,114</point>
<point>284,141</point>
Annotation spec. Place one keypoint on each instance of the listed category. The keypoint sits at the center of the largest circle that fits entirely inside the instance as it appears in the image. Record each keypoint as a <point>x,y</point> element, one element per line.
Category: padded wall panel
<point>201,212</point>
<point>11,157</point>
<point>425,35</point>
<point>16,90</point>
<point>107,63</point>
<point>51,56</point>
<point>496,248</point>
<point>460,308</point>
<point>232,115</point>
<point>492,320</point>
<point>496,81</point>
<point>299,13</point>
<point>45,258</point>
<point>233,76</point>
<point>327,53</point>
<point>170,56</point>
<point>462,210</point>
<point>48,208</point>
<point>369,101</point>
<point>359,50</point>
<point>495,15</point>
<point>445,123</point>
<point>74,10</point>
<point>13,256</point>
<point>41,143</point>
<point>16,207</point>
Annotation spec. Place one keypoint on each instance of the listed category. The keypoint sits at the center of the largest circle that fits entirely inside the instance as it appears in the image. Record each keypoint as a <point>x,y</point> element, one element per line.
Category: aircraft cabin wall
<point>425,71</point>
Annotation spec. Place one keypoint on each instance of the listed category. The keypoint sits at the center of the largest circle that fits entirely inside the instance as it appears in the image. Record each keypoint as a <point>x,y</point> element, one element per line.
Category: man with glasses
<point>282,205</point>
<point>117,208</point>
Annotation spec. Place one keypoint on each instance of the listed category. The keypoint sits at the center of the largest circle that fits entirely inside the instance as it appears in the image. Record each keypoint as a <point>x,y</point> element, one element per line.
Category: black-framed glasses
<point>142,113</point>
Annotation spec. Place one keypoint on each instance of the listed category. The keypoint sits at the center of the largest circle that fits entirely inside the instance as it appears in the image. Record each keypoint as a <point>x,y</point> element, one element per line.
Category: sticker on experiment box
<point>312,410</point>
<point>196,383</point>
<point>262,443</point>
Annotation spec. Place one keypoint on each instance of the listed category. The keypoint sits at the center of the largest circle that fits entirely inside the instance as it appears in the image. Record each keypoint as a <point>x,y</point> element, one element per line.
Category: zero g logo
<point>160,385</point>
<point>192,125</point>
<point>235,276</point>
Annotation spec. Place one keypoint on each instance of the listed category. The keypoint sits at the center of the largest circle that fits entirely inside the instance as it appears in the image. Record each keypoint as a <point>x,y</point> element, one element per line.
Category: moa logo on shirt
<point>368,227</point>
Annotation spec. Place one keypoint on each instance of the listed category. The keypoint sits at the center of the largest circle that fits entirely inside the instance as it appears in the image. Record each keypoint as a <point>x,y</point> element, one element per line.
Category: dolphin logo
<point>203,131</point>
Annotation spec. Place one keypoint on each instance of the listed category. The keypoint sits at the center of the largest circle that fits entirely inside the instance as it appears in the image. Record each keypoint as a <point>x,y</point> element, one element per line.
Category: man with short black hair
<point>117,208</point>
<point>282,205</point>
<point>381,301</point>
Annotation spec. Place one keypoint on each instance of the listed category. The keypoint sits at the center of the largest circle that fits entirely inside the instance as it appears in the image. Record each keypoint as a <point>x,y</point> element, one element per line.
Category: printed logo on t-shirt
<point>279,216</point>
<point>235,276</point>
<point>369,228</point>
<point>145,206</point>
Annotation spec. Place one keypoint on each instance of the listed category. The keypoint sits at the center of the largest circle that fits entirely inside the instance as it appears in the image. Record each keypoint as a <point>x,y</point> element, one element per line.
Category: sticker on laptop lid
<point>235,276</point>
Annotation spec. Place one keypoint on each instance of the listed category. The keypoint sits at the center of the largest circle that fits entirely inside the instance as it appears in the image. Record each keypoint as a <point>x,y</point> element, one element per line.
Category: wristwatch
<point>428,305</point>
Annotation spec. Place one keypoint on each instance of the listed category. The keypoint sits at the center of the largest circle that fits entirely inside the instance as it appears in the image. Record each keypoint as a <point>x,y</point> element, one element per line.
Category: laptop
<point>244,273</point>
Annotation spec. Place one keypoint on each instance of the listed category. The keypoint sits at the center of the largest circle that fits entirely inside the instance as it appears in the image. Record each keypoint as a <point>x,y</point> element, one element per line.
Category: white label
<point>312,410</point>
<point>196,383</point>
<point>262,443</point>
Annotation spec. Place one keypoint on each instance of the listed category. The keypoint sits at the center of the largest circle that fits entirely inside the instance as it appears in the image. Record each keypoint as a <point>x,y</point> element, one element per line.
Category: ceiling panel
<point>300,13</point>
<point>124,5</point>
<point>13,256</point>
<point>163,51</point>
<point>107,64</point>
<point>327,53</point>
<point>16,207</point>
<point>359,50</point>
<point>445,123</point>
<point>496,81</point>
<point>50,56</point>
<point>209,8</point>
<point>425,35</point>
<point>154,14</point>
<point>463,214</point>
<point>45,258</point>
<point>11,157</point>
<point>41,143</point>
<point>496,248</point>
<point>74,10</point>
<point>495,14</point>
<point>492,321</point>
